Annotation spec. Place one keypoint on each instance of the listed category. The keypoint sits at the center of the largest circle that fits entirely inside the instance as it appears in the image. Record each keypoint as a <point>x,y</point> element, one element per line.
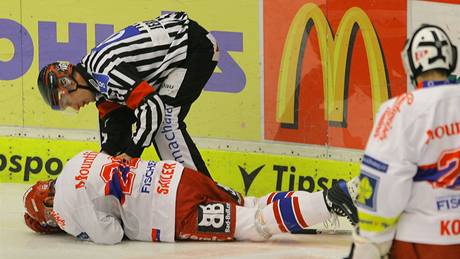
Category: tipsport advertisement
<point>250,174</point>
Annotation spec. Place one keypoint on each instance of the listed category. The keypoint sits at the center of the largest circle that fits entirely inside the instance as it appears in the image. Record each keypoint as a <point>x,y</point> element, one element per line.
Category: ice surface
<point>17,241</point>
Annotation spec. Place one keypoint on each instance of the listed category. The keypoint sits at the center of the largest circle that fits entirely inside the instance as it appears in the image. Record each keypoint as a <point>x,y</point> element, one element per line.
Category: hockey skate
<point>340,199</point>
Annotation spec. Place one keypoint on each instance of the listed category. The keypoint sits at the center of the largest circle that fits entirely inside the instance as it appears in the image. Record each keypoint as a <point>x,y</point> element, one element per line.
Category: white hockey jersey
<point>410,173</point>
<point>100,199</point>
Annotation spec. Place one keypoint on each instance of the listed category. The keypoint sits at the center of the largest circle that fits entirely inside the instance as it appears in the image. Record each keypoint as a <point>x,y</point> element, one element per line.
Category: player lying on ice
<point>102,199</point>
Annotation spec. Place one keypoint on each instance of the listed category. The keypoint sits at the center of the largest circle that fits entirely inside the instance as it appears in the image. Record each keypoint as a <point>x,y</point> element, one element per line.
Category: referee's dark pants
<point>172,141</point>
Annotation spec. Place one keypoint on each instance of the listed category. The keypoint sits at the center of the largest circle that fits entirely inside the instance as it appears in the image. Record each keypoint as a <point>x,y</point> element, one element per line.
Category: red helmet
<point>48,81</point>
<point>38,202</point>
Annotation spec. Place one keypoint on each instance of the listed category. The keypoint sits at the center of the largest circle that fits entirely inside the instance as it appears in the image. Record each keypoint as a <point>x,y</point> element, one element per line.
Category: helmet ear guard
<point>428,48</point>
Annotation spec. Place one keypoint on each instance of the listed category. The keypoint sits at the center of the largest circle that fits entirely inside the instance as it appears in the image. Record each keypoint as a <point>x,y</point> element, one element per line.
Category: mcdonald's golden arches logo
<point>335,53</point>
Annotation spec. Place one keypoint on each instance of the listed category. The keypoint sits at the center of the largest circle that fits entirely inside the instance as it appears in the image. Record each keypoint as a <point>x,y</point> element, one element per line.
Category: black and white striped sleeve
<point>149,115</point>
<point>124,79</point>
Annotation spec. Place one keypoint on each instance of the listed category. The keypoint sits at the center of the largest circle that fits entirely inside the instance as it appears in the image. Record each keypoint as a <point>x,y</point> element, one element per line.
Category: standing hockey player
<point>149,74</point>
<point>409,192</point>
<point>101,199</point>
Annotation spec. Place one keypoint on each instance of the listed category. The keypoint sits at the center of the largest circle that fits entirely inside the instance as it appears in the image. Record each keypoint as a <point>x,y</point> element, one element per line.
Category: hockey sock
<point>263,201</point>
<point>295,212</point>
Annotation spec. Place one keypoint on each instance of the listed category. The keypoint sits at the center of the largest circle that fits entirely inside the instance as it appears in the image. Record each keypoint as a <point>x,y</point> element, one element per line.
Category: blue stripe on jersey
<point>287,213</point>
<point>432,173</point>
<point>114,187</point>
<point>278,196</point>
<point>456,184</point>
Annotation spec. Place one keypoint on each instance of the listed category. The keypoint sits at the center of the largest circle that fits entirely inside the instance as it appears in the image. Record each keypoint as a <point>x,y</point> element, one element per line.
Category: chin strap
<point>90,87</point>
<point>85,87</point>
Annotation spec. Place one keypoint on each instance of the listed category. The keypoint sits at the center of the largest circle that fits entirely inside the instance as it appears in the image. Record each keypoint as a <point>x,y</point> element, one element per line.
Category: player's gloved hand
<point>35,226</point>
<point>363,248</point>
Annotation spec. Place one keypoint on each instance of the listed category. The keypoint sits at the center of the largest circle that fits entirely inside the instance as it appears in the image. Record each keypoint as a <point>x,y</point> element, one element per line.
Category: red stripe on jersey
<point>289,194</point>
<point>276,211</point>
<point>428,167</point>
<point>270,197</point>
<point>298,213</point>
<point>107,189</point>
<point>138,94</point>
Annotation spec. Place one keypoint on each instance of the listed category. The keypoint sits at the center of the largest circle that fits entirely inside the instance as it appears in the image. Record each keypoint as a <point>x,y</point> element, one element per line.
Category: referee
<point>147,74</point>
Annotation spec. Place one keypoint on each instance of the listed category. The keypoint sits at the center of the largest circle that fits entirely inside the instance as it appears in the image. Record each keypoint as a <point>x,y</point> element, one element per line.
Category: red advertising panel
<point>328,67</point>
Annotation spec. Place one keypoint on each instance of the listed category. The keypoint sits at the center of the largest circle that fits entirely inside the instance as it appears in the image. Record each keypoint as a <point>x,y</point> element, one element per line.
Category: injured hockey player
<point>101,199</point>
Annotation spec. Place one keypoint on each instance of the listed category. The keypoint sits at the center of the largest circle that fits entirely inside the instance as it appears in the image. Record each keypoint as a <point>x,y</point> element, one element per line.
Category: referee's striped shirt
<point>144,52</point>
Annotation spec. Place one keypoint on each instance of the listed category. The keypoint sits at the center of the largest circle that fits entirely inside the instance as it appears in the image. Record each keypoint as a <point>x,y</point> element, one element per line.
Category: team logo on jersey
<point>102,81</point>
<point>449,227</point>
<point>375,164</point>
<point>59,220</point>
<point>448,202</point>
<point>147,178</point>
<point>82,177</point>
<point>442,131</point>
<point>368,187</point>
<point>166,176</point>
<point>215,218</point>
<point>385,122</point>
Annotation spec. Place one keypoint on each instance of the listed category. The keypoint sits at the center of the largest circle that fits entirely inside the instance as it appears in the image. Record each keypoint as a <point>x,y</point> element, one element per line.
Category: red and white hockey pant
<point>208,211</point>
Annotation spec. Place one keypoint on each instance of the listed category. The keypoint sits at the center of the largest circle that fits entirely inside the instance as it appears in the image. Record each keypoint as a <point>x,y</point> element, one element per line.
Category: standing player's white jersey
<point>101,199</point>
<point>410,174</point>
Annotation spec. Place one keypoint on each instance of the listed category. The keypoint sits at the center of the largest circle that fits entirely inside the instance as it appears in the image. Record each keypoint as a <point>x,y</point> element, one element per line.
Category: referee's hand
<point>125,158</point>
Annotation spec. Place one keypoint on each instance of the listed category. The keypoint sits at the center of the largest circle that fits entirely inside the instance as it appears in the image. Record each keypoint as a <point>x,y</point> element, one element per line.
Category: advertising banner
<point>249,173</point>
<point>34,33</point>
<point>328,66</point>
<point>304,77</point>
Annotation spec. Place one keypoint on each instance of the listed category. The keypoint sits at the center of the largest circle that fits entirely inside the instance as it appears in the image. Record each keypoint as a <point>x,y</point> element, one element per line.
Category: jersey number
<point>119,178</point>
<point>449,162</point>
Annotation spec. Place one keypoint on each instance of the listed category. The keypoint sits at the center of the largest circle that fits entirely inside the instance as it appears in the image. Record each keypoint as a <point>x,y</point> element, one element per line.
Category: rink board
<point>24,160</point>
<point>32,35</point>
